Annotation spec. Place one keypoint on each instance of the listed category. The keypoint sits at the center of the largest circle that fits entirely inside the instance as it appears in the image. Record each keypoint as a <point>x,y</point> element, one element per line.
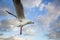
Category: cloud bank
<point>48,20</point>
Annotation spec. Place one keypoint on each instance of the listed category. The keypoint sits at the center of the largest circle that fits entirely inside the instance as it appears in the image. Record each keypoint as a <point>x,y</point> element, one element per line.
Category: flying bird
<point>20,14</point>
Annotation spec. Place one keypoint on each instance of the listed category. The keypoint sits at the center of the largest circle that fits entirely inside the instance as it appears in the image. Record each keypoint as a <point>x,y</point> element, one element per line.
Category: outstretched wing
<point>19,9</point>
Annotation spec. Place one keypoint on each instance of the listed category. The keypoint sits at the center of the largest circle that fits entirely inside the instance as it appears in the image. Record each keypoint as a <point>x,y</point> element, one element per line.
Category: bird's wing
<point>11,13</point>
<point>19,9</point>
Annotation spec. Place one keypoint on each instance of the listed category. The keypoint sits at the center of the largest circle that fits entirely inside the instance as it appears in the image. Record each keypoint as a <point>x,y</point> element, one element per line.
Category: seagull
<point>20,14</point>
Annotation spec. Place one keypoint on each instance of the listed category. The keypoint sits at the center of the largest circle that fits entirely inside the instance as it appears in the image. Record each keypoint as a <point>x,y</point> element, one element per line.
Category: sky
<point>44,13</point>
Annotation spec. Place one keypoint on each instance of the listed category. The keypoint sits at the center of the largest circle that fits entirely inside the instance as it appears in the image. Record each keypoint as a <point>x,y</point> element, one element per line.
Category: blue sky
<point>45,14</point>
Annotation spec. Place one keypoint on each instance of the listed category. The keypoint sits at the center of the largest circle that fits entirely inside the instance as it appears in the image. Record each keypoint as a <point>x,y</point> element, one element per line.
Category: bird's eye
<point>20,20</point>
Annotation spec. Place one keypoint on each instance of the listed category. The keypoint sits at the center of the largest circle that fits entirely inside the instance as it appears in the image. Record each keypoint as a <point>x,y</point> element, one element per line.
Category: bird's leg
<point>21,30</point>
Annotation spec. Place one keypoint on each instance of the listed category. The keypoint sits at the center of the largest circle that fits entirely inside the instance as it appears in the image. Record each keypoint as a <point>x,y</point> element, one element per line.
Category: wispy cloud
<point>30,30</point>
<point>55,29</point>
<point>9,24</point>
<point>31,3</point>
<point>2,11</point>
<point>52,14</point>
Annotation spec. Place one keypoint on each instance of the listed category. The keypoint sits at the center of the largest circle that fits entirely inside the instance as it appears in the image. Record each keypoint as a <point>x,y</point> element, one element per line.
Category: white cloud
<point>31,30</point>
<point>10,38</point>
<point>55,29</point>
<point>31,3</point>
<point>2,13</point>
<point>9,24</point>
<point>41,7</point>
<point>17,38</point>
<point>9,28</point>
<point>51,15</point>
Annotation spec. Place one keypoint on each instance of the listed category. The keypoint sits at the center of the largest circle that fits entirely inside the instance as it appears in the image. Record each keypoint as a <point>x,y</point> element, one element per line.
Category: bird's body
<point>24,22</point>
<point>20,14</point>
